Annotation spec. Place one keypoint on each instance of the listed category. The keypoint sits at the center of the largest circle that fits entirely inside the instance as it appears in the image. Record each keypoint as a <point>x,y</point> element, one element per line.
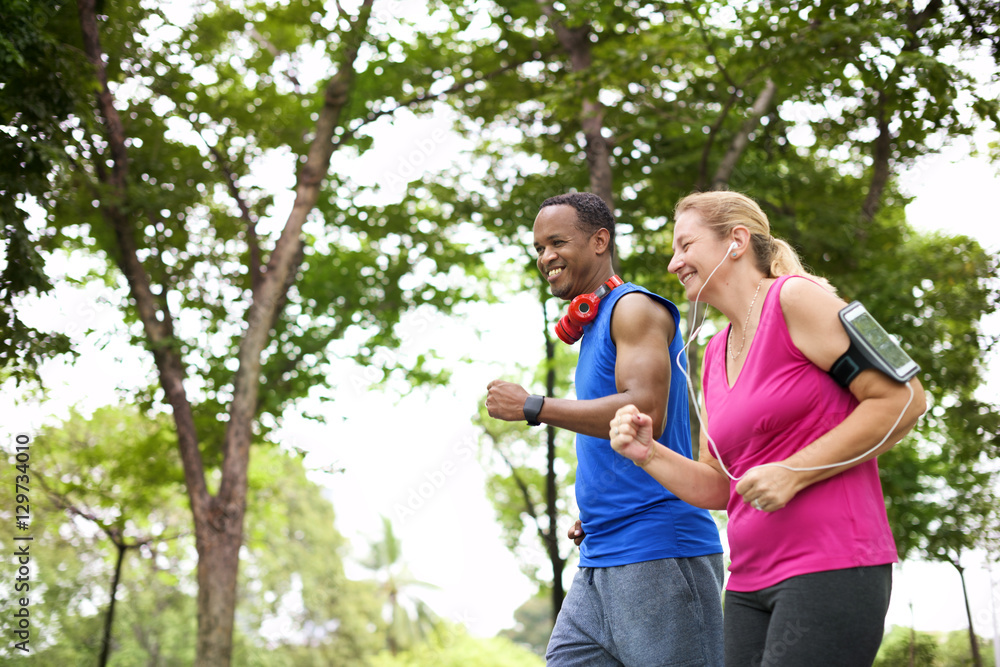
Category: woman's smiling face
<point>697,251</point>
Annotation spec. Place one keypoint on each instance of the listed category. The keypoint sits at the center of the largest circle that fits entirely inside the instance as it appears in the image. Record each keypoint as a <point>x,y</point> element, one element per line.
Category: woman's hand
<point>768,488</point>
<point>632,435</point>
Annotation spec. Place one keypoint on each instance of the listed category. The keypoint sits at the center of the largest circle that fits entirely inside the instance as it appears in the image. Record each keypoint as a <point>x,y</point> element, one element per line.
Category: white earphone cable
<point>714,447</point>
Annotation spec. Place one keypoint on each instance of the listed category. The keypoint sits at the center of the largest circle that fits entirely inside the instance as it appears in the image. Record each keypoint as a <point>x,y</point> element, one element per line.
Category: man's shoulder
<point>639,298</point>
<point>639,315</point>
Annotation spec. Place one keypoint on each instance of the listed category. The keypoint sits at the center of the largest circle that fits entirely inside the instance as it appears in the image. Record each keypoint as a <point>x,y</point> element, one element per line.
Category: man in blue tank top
<point>648,590</point>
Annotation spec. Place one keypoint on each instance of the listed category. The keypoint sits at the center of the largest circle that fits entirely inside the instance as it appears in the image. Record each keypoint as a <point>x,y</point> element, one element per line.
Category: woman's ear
<point>741,238</point>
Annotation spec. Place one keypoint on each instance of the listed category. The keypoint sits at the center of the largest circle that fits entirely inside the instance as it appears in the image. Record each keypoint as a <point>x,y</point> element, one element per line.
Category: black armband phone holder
<point>871,347</point>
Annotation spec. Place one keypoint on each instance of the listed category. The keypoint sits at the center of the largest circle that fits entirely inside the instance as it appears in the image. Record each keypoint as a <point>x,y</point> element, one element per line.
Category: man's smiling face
<point>565,257</point>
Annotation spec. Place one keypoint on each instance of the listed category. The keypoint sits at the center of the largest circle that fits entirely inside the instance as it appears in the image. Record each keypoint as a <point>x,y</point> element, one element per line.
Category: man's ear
<point>601,241</point>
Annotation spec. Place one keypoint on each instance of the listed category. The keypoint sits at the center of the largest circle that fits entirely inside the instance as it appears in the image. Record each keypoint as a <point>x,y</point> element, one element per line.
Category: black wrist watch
<point>533,406</point>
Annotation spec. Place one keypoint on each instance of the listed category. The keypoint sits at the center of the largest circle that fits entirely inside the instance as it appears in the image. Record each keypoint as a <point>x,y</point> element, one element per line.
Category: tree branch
<point>709,44</point>
<point>742,138</point>
<point>880,165</point>
<point>157,323</point>
<point>248,217</point>
<point>427,97</point>
<point>529,504</point>
<point>273,50</point>
<point>884,142</point>
<point>713,132</point>
<point>282,267</point>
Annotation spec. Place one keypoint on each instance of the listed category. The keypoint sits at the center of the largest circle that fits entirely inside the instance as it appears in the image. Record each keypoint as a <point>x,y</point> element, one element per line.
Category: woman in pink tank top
<point>788,452</point>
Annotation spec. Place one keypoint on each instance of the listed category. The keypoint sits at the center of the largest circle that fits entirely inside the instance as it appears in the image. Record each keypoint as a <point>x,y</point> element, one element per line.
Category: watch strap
<point>532,407</point>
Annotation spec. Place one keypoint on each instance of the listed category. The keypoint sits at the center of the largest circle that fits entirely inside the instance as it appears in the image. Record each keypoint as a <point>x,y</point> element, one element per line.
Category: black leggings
<point>826,618</point>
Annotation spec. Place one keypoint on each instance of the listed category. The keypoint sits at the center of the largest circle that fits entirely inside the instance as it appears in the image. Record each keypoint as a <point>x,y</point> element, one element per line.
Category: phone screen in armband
<point>871,347</point>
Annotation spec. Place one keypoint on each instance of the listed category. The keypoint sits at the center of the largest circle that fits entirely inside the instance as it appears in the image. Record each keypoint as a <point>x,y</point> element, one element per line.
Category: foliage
<point>297,605</point>
<point>112,470</point>
<point>898,645</point>
<point>112,477</point>
<point>514,456</point>
<point>933,649</point>
<point>153,166</point>
<point>409,620</point>
<point>953,651</point>
<point>47,77</point>
<point>859,93</point>
<point>194,127</point>
<point>453,647</point>
<point>220,112</point>
<point>532,624</point>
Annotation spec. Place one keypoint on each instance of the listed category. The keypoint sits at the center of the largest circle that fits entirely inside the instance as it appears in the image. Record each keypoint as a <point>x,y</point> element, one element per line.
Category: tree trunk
<point>220,536</point>
<point>109,618</point>
<point>977,660</point>
<point>551,488</point>
<point>696,311</point>
<point>218,567</point>
<point>156,321</point>
<point>576,43</point>
<point>881,171</point>
<point>218,521</point>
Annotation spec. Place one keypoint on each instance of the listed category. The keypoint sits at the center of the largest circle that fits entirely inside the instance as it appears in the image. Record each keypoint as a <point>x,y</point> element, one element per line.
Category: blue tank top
<point>628,516</point>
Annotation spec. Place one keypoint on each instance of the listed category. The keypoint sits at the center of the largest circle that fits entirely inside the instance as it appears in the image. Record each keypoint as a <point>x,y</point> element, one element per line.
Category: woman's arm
<point>886,410</point>
<point>700,483</point>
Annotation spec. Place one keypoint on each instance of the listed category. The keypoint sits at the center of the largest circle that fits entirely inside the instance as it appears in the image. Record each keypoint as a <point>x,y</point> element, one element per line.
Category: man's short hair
<point>591,211</point>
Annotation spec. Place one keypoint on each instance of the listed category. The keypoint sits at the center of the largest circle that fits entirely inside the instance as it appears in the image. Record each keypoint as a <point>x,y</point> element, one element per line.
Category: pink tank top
<point>780,403</point>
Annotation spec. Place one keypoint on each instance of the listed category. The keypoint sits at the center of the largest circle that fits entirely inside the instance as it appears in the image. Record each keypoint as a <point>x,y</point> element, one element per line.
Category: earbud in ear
<point>734,245</point>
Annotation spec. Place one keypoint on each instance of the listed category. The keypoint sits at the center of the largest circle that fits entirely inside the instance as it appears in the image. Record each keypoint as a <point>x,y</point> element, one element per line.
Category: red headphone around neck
<point>583,310</point>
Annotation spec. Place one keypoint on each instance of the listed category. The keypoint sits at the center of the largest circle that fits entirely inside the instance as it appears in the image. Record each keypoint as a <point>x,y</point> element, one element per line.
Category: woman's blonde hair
<point>722,210</point>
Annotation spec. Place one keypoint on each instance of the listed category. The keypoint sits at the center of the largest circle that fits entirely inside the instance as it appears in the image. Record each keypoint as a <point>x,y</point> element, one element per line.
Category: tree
<point>953,651</point>
<point>109,471</point>
<point>533,623</point>
<point>904,647</point>
<point>34,63</point>
<point>103,490</point>
<point>109,480</point>
<point>810,107</point>
<point>410,620</point>
<point>529,476</point>
<point>968,518</point>
<point>530,492</point>
<point>147,165</point>
<point>140,140</point>
<point>297,605</point>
